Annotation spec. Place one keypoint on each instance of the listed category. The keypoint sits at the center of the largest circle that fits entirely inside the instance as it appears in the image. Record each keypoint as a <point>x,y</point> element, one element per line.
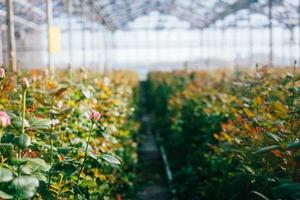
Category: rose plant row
<point>67,137</point>
<point>230,135</point>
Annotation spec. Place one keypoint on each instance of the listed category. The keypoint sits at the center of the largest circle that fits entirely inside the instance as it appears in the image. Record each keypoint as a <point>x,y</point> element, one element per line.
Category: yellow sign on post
<point>54,39</point>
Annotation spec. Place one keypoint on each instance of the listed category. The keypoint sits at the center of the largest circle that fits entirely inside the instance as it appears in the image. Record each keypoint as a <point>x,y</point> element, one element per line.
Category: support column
<point>93,31</point>
<point>299,33</point>
<point>270,35</point>
<point>1,48</point>
<point>70,46</point>
<point>201,58</point>
<point>291,42</point>
<point>83,42</point>
<point>12,60</point>
<point>208,47</point>
<point>112,50</point>
<point>105,52</point>
<point>100,48</point>
<point>49,24</point>
<point>223,44</point>
<point>250,39</point>
<point>215,44</point>
<point>235,43</point>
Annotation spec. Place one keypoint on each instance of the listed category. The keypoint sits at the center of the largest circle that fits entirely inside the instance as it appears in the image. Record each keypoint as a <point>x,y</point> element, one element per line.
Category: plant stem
<point>293,99</point>
<point>23,116</point>
<point>51,142</point>
<point>23,110</point>
<point>85,153</point>
<point>1,134</point>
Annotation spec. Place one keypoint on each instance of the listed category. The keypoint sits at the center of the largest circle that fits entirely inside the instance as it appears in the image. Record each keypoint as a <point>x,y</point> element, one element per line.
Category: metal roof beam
<point>22,21</point>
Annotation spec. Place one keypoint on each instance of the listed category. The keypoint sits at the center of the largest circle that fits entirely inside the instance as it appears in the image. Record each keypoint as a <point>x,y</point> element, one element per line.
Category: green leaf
<point>92,155</point>
<point>6,150</point>
<point>4,195</point>
<point>17,161</point>
<point>17,122</point>
<point>40,176</point>
<point>41,124</point>
<point>25,186</point>
<point>67,168</point>
<point>293,145</point>
<point>249,169</point>
<point>111,159</point>
<point>248,112</point>
<point>26,170</point>
<point>286,191</point>
<point>86,92</point>
<point>65,150</point>
<point>274,137</point>
<point>24,140</point>
<point>296,157</point>
<point>38,164</point>
<point>267,149</point>
<point>5,175</point>
<point>280,107</point>
<point>260,195</point>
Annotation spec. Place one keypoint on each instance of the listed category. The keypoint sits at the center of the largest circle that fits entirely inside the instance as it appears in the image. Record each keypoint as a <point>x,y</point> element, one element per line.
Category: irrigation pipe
<point>167,166</point>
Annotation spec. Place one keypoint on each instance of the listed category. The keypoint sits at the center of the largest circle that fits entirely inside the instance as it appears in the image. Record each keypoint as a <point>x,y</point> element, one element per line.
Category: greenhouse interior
<point>150,99</point>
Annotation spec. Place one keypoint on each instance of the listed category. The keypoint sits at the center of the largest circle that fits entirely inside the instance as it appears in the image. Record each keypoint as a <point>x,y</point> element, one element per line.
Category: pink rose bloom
<point>4,119</point>
<point>2,73</point>
<point>95,116</point>
<point>24,82</point>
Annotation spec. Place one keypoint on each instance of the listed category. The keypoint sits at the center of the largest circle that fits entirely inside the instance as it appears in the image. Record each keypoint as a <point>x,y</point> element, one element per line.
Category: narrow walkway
<point>151,183</point>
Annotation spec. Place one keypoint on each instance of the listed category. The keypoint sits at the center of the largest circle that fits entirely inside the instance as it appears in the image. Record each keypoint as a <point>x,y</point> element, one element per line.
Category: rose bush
<point>67,138</point>
<point>238,132</point>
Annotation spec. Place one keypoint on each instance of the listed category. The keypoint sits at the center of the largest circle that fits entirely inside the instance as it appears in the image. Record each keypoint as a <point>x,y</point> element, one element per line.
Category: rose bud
<point>85,76</point>
<point>95,116</point>
<point>45,73</point>
<point>82,69</point>
<point>2,73</point>
<point>4,119</point>
<point>25,83</point>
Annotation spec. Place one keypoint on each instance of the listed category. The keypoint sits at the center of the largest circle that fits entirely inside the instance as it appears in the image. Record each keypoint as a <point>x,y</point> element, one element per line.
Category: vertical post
<point>157,38</point>
<point>83,43</point>
<point>105,52</point>
<point>93,30</point>
<point>223,44</point>
<point>291,41</point>
<point>12,61</point>
<point>207,48</point>
<point>70,47</point>
<point>97,58</point>
<point>282,47</point>
<point>1,48</point>
<point>111,49</point>
<point>204,47</point>
<point>100,47</point>
<point>49,24</point>
<point>215,44</point>
<point>201,47</point>
<point>270,35</point>
<point>235,43</point>
<point>250,39</point>
<point>299,33</point>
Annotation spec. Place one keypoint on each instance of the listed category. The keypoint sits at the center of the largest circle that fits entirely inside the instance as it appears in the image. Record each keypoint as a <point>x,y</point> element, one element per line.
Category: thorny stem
<point>85,153</point>
<point>1,134</point>
<point>256,91</point>
<point>51,142</point>
<point>293,99</point>
<point>23,115</point>
<point>23,110</point>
